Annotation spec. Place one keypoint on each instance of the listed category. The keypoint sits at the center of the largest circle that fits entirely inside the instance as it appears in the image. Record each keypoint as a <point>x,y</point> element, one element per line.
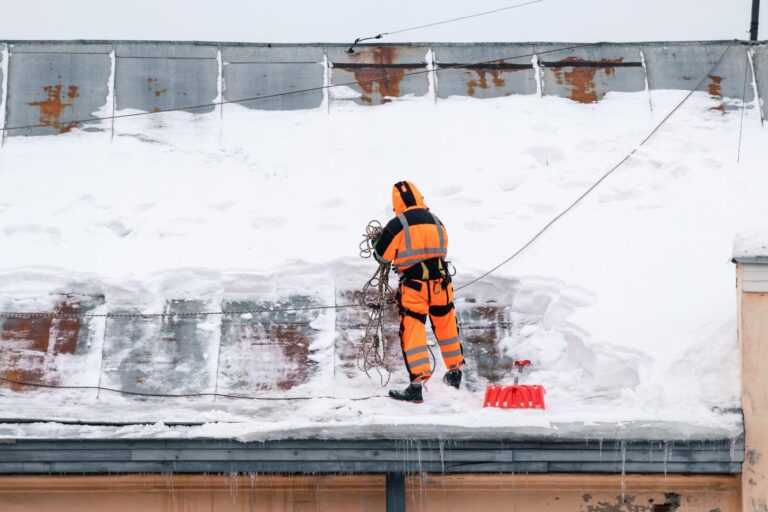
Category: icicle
<point>440,445</point>
<point>623,469</point>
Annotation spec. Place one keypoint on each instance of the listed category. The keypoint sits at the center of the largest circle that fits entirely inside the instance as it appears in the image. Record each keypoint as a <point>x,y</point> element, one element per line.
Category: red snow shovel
<point>516,396</point>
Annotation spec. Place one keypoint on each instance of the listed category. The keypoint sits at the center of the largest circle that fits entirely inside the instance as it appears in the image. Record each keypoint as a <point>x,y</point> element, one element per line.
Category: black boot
<point>453,378</point>
<point>410,394</point>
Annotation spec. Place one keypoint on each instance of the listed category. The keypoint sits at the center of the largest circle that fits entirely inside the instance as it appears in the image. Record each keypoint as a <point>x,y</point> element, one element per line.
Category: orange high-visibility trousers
<point>417,300</point>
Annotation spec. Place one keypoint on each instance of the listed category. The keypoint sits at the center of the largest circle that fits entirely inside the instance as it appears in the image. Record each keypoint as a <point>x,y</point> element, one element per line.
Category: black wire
<point>182,395</point>
<point>17,314</point>
<point>476,15</point>
<point>434,360</point>
<point>351,49</point>
<point>743,104</point>
<point>302,91</point>
<point>602,178</point>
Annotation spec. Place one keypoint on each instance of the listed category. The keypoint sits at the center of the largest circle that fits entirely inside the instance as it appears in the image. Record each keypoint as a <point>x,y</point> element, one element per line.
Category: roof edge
<point>723,456</point>
<point>346,44</point>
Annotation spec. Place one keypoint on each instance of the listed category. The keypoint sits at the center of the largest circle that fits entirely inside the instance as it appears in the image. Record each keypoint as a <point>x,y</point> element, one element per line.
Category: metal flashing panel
<point>488,71</point>
<point>266,351</point>
<point>154,78</point>
<point>3,62</point>
<point>587,74</point>
<point>171,354</point>
<point>681,66</point>
<point>254,72</point>
<point>483,329</point>
<point>380,456</point>
<point>54,88</point>
<point>755,278</point>
<point>50,350</point>
<point>350,326</point>
<point>760,60</point>
<point>378,74</point>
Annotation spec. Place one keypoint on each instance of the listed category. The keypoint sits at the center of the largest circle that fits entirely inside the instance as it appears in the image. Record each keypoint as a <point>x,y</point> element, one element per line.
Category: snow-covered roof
<point>751,246</point>
<point>175,218</point>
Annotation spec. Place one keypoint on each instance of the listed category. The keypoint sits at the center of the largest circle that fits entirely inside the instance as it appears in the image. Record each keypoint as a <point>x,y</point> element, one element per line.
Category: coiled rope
<point>377,296</point>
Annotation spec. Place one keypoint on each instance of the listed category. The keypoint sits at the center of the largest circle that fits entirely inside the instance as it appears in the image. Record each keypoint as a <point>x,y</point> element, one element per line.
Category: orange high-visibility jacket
<point>415,235</point>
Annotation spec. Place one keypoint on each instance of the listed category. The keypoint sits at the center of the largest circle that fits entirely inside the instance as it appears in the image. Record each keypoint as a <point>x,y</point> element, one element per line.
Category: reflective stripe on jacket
<point>414,235</point>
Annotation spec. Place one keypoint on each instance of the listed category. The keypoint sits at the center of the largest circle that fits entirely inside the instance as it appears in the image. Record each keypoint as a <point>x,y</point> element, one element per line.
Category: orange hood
<point>406,195</point>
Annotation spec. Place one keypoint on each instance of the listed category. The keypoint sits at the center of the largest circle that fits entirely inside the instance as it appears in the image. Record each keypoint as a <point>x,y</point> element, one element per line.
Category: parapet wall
<point>51,87</point>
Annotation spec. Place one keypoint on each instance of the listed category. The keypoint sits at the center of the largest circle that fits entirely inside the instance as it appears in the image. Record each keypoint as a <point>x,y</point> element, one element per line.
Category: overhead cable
<point>351,49</point>
<point>603,177</point>
<point>183,395</point>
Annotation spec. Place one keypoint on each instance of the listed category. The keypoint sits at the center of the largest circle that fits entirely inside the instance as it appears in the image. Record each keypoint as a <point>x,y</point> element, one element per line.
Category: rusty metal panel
<point>350,328</point>
<point>483,328</point>
<point>3,59</point>
<point>587,74</point>
<point>52,88</point>
<point>255,71</point>
<point>488,71</point>
<point>170,354</point>
<point>378,74</point>
<point>760,60</point>
<point>48,349</point>
<point>266,351</point>
<point>156,77</point>
<point>683,65</point>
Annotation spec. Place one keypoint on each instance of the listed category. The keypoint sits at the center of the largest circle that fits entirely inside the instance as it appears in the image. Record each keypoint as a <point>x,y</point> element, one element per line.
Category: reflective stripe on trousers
<point>436,302</point>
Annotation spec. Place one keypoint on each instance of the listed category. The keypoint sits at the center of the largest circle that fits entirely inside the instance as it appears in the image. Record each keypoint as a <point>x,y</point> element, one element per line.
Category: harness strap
<point>420,317</point>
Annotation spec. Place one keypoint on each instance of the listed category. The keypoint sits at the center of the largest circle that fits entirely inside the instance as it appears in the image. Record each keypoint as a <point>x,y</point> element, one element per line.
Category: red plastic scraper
<point>516,396</point>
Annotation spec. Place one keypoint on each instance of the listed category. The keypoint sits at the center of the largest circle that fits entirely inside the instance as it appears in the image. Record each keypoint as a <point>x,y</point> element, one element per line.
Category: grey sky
<point>343,20</point>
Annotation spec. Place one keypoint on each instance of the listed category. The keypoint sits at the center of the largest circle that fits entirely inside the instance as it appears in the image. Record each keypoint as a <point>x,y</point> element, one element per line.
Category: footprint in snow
<point>331,203</point>
<point>478,227</point>
<point>509,186</point>
<point>447,191</point>
<point>541,208</point>
<point>267,222</point>
<point>143,207</point>
<point>465,201</point>
<point>117,228</point>
<point>545,154</point>
<point>32,230</point>
<point>617,195</point>
<point>222,206</point>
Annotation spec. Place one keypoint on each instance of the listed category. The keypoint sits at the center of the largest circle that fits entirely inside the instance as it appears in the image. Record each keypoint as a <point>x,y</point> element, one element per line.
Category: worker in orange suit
<point>415,242</point>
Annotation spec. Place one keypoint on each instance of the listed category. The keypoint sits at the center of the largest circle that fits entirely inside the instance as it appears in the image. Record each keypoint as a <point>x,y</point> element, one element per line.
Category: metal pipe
<point>395,492</point>
<point>755,20</point>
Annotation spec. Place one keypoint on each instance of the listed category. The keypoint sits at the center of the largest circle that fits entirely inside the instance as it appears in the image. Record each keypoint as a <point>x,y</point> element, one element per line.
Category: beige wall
<point>198,493</point>
<point>571,493</point>
<point>753,338</point>
<point>486,493</point>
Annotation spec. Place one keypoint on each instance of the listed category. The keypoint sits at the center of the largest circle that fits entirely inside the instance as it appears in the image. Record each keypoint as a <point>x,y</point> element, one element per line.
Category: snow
<point>751,244</point>
<point>625,305</point>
